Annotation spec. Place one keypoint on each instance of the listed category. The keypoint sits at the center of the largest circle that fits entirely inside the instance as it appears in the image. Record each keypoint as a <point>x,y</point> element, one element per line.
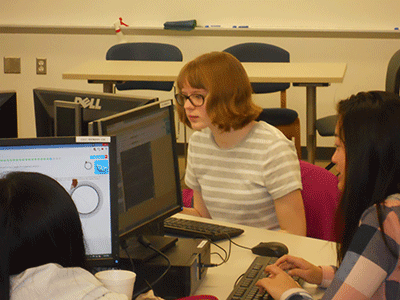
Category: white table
<point>219,281</point>
<point>310,75</point>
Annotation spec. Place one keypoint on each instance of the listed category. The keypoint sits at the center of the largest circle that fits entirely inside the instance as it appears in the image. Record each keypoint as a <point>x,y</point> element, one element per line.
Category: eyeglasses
<point>196,99</point>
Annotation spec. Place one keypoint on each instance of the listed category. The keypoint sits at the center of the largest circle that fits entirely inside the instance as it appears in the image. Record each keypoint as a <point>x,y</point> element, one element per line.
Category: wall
<point>314,14</point>
<point>366,58</point>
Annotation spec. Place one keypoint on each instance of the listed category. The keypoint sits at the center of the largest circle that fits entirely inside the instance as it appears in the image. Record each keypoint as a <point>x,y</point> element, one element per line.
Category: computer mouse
<point>274,249</point>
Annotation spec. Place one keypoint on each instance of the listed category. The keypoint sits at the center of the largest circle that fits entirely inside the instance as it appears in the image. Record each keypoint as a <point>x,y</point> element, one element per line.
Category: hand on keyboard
<point>296,266</point>
<point>276,281</point>
<point>247,288</point>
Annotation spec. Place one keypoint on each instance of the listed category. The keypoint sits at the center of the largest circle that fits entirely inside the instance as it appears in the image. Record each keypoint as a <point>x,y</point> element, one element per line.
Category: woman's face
<point>339,158</point>
<point>197,115</point>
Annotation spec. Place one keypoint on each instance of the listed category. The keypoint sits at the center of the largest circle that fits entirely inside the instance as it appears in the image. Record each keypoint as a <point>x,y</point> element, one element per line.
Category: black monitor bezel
<point>91,261</point>
<point>154,224</point>
<point>9,121</point>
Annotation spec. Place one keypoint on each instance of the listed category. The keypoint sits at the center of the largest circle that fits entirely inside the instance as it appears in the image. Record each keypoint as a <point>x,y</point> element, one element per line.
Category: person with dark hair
<point>367,158</point>
<point>240,170</point>
<point>42,253</point>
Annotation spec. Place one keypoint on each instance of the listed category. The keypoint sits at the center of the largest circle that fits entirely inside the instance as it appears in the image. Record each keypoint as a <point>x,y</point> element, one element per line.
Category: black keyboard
<point>246,288</point>
<point>197,229</point>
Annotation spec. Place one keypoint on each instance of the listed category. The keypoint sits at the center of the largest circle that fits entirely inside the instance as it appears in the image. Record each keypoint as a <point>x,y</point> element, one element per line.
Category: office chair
<point>146,52</point>
<point>326,127</point>
<point>393,73</point>
<point>287,121</point>
<point>260,52</point>
<point>320,197</point>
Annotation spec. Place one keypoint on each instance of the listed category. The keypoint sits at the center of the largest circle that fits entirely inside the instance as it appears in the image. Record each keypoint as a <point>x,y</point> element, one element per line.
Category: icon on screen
<point>101,167</point>
<point>88,165</point>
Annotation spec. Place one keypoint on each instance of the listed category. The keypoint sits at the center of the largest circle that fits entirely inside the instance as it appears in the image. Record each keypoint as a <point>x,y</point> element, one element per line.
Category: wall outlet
<point>41,66</point>
<point>12,65</point>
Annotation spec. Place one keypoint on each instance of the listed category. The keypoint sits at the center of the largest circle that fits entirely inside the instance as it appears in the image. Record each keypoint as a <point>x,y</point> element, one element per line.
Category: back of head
<point>222,75</point>
<point>39,224</point>
<point>369,126</point>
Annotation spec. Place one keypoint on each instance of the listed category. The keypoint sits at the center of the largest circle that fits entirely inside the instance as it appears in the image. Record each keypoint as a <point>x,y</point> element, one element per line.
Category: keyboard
<point>246,288</point>
<point>197,229</point>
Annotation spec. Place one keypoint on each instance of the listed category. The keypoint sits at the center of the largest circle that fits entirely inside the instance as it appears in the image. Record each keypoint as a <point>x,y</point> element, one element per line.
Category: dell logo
<point>91,103</point>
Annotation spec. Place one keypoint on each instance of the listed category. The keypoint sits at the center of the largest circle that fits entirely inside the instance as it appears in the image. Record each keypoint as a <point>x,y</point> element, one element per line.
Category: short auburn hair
<point>229,102</point>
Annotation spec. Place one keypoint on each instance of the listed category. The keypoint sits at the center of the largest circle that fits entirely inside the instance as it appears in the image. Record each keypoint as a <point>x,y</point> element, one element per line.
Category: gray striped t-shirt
<point>239,184</point>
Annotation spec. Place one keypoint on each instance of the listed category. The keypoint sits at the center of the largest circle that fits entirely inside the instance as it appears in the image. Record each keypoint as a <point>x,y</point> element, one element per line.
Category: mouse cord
<point>238,245</point>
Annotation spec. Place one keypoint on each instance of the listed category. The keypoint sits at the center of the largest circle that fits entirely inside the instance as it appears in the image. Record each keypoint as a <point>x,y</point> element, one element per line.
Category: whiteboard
<point>291,14</point>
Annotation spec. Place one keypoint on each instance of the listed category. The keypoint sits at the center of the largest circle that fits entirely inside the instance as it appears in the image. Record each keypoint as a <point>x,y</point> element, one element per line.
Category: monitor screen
<point>94,106</point>
<point>149,185</point>
<point>8,114</point>
<point>86,168</point>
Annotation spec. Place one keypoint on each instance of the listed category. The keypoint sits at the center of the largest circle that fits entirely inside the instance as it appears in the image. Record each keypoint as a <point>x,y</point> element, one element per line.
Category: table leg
<point>311,118</point>
<point>108,87</point>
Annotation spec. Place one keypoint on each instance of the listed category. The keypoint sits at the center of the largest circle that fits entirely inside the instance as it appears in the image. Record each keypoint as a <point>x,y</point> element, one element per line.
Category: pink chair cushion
<point>187,197</point>
<point>321,197</point>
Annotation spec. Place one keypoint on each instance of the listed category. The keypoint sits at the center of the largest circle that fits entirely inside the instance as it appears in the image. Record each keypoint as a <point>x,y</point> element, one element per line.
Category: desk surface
<point>107,70</point>
<point>219,281</point>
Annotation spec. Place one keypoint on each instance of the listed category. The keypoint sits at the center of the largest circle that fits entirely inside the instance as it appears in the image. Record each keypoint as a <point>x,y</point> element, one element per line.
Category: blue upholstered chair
<point>261,52</point>
<point>145,52</point>
<point>286,120</point>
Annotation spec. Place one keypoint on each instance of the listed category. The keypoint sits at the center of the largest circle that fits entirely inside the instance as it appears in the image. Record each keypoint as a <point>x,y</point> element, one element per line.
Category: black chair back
<point>145,52</point>
<point>260,52</point>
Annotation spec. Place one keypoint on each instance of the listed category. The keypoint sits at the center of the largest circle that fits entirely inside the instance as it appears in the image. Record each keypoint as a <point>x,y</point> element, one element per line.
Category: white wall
<point>366,66</point>
<point>315,14</point>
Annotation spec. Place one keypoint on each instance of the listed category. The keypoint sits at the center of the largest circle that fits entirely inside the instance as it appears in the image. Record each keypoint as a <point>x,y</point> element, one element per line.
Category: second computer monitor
<point>149,185</point>
<point>50,102</point>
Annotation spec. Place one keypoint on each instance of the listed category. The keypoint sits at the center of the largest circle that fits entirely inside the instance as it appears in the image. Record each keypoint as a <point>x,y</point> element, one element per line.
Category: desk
<point>309,75</point>
<point>219,281</point>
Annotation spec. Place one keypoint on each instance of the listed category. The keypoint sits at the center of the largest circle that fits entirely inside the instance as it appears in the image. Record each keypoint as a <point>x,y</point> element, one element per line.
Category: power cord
<point>146,243</point>
<point>124,247</point>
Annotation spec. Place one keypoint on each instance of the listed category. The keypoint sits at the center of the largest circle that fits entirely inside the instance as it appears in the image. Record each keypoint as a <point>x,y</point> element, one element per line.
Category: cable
<point>241,246</point>
<point>124,247</point>
<point>227,253</point>
<point>146,243</point>
<point>224,260</point>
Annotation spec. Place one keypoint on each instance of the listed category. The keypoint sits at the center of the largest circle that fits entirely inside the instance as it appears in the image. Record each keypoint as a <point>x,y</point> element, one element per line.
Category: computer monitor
<point>68,118</point>
<point>94,106</point>
<point>8,114</point>
<point>86,168</point>
<point>149,183</point>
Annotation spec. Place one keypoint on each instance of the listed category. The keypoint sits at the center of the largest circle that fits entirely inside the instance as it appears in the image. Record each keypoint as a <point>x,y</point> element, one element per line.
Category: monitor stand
<point>138,251</point>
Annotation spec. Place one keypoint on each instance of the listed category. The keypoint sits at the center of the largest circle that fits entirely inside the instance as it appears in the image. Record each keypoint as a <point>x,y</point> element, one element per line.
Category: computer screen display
<point>8,114</point>
<point>86,168</point>
<point>94,106</point>
<point>149,185</point>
